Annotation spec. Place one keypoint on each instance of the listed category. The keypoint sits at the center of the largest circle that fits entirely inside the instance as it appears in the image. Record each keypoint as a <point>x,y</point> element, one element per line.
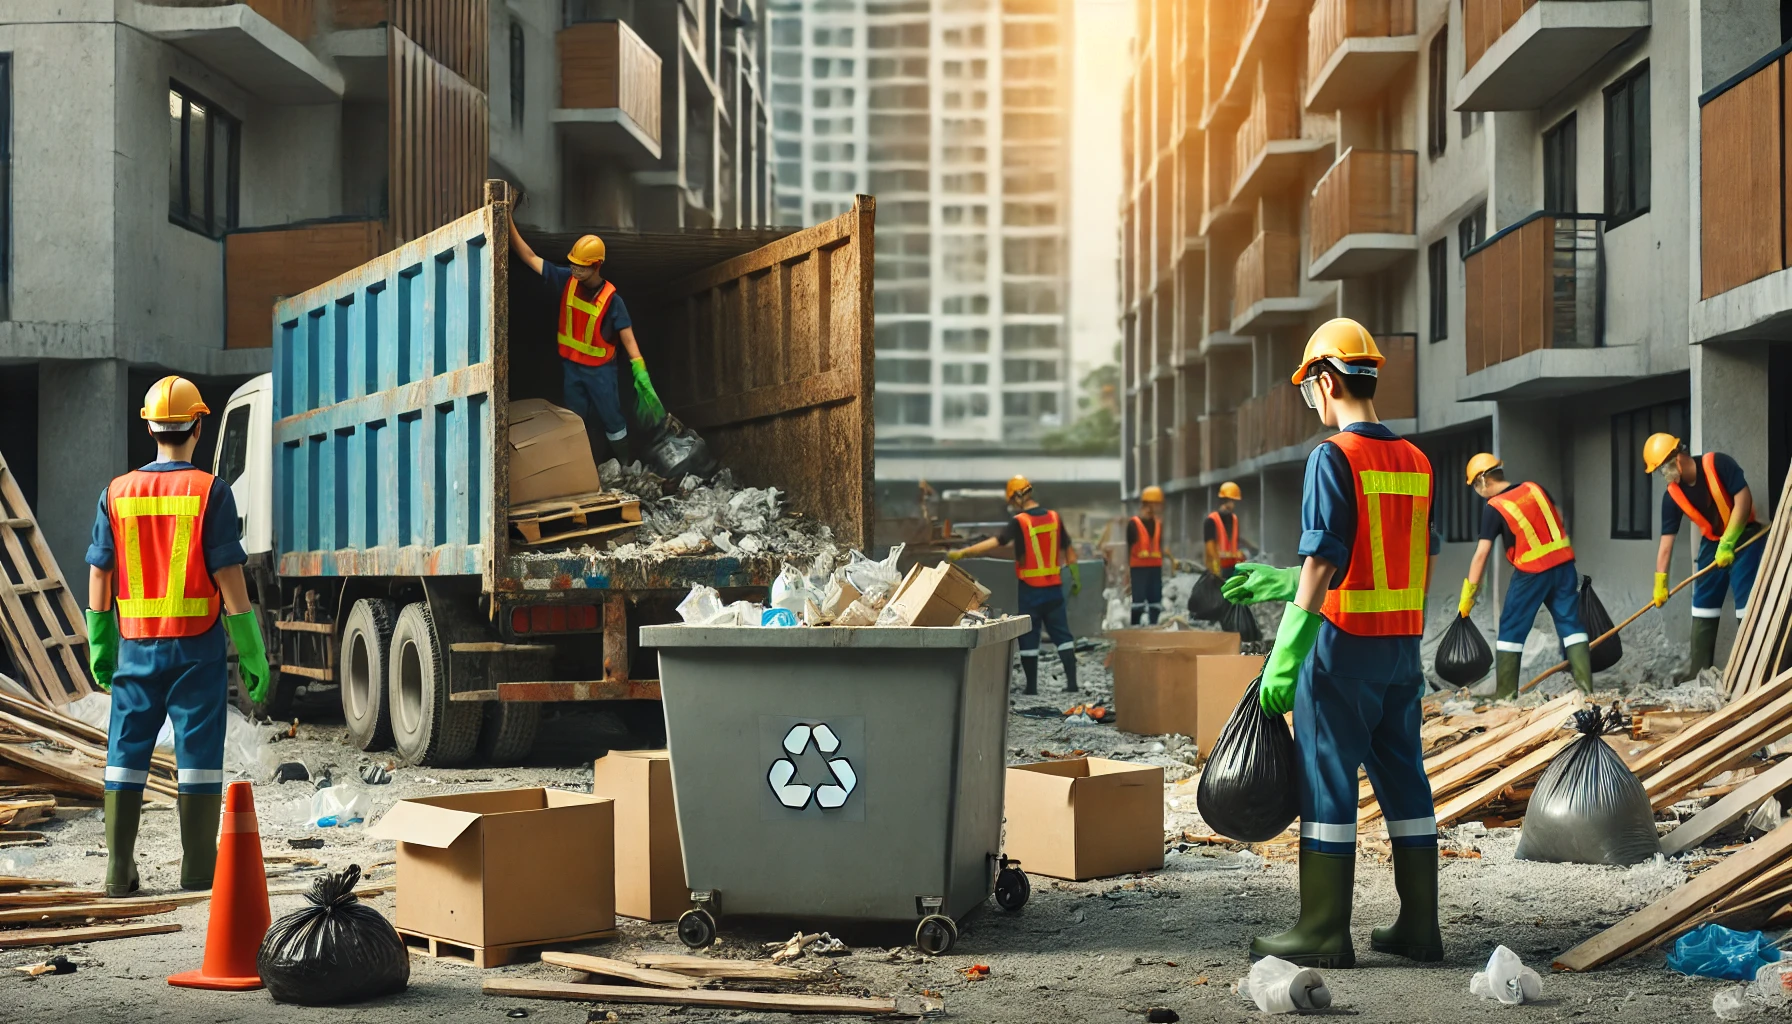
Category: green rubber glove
<point>1076,579</point>
<point>251,656</point>
<point>1294,641</point>
<point>1254,583</point>
<point>1466,603</point>
<point>1726,548</point>
<point>647,401</point>
<point>102,647</point>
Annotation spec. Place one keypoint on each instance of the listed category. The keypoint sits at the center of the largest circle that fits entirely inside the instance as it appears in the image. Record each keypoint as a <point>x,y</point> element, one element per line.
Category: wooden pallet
<point>40,621</point>
<point>555,520</point>
<point>483,957</point>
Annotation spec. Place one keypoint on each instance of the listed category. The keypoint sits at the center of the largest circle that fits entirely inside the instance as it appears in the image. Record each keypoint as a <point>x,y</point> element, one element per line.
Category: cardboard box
<point>936,595</point>
<point>550,456</point>
<point>1154,677</point>
<point>1085,818</point>
<point>506,867</point>
<point>649,862</point>
<point>1220,682</point>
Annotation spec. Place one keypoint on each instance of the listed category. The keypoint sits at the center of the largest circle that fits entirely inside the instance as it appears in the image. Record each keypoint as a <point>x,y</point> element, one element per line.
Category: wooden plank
<point>1705,728</point>
<point>91,778</point>
<point>14,883</point>
<point>1521,771</point>
<point>1721,753</point>
<point>85,912</point>
<point>294,626</point>
<point>79,746</point>
<point>717,967</point>
<point>48,897</point>
<point>774,1001</point>
<point>618,969</point>
<point>594,689</point>
<point>60,618</point>
<point>1733,805</point>
<point>1767,611</point>
<point>71,936</point>
<point>1535,732</point>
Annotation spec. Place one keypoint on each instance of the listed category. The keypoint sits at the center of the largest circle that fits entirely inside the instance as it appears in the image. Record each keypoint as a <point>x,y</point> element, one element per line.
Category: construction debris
<point>695,518</point>
<point>778,1002</point>
<point>1506,980</point>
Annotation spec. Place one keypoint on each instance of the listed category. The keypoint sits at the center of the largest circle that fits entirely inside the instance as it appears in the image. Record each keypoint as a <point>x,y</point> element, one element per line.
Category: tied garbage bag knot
<point>334,950</point>
<point>1463,656</point>
<point>1249,791</point>
<point>1713,951</point>
<point>1589,807</point>
<point>1506,980</point>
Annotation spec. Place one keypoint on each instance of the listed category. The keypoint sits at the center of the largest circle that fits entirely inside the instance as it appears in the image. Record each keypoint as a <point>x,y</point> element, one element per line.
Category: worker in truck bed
<point>1039,540</point>
<point>174,528</point>
<point>590,322</point>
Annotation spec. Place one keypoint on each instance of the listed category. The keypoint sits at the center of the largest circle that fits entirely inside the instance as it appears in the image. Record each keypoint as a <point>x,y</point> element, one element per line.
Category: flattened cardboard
<point>1156,678</point>
<point>936,595</point>
<point>649,862</point>
<point>1085,818</point>
<point>550,454</point>
<point>1220,681</point>
<point>504,867</point>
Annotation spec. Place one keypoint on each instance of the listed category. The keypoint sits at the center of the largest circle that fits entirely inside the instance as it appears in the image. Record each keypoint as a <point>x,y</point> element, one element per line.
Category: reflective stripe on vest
<point>1038,564</point>
<point>1229,554</point>
<point>1383,591</point>
<point>1525,508</point>
<point>157,522</point>
<point>580,337</point>
<point>1148,547</point>
<point>1719,497</point>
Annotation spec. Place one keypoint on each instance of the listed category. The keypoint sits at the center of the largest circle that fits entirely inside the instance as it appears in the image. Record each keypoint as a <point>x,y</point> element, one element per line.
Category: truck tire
<point>366,642</point>
<point>508,734</point>
<point>429,729</point>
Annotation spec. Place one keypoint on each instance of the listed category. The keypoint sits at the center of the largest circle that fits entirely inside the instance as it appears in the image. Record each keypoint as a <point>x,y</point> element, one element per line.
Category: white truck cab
<point>244,460</point>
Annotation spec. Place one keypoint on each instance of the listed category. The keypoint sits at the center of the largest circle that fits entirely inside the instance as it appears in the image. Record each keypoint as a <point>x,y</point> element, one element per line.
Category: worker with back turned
<point>1346,657</point>
<point>1145,555</point>
<point>1712,493</point>
<point>1543,572</point>
<point>1222,544</point>
<point>1042,554</point>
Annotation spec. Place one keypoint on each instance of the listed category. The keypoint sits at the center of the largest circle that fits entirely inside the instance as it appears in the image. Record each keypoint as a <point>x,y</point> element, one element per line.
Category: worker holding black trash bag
<point>1346,657</point>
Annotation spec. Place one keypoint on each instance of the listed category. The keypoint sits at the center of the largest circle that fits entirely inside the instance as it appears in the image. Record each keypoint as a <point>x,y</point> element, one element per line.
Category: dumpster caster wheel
<point>1012,889</point>
<point>935,934</point>
<point>696,928</point>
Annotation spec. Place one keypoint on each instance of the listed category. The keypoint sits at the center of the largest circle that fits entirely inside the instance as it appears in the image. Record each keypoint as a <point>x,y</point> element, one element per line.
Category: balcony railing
<point>1274,114</point>
<point>1484,21</point>
<point>604,65</point>
<point>1537,284</point>
<point>1551,43</point>
<point>1365,192</point>
<point>1333,22</point>
<point>263,265</point>
<point>1396,392</point>
<point>1273,421</point>
<point>1219,440</point>
<point>1267,268</point>
<point>1742,160</point>
<point>296,18</point>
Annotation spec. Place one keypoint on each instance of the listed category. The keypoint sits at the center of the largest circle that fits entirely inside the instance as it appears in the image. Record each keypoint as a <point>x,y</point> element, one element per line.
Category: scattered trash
<point>1598,622</point>
<point>975,971</point>
<point>57,964</point>
<point>1249,791</point>
<point>1506,979</point>
<point>324,781</point>
<point>1161,1015</point>
<point>1771,989</point>
<point>1589,807</point>
<point>777,617</point>
<point>701,606</point>
<point>1277,986</point>
<point>827,945</point>
<point>1713,951</point>
<point>1463,656</point>
<point>306,844</point>
<point>291,771</point>
<point>790,592</point>
<point>376,774</point>
<point>335,950</point>
<point>1205,601</point>
<point>602,1017</point>
<point>517,1013</point>
<point>339,806</point>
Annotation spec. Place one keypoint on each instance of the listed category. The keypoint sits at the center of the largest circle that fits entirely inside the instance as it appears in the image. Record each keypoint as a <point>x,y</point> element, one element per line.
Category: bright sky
<point>1103,32</point>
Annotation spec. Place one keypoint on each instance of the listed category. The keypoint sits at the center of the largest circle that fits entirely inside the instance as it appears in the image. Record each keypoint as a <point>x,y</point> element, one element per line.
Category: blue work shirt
<point>1014,536</point>
<point>555,275</point>
<point>1728,473</point>
<point>220,535</point>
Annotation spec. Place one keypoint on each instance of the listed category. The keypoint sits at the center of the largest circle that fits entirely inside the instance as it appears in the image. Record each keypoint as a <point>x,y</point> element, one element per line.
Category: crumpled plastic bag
<point>1713,951</point>
<point>1506,979</point>
<point>333,950</point>
<point>700,606</point>
<point>1771,989</point>
<point>868,575</point>
<point>339,806</point>
<point>777,617</point>
<point>791,590</point>
<point>1277,986</point>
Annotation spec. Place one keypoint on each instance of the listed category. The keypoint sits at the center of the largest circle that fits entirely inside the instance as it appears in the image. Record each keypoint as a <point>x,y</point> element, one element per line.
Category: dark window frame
<point>1628,147</point>
<point>1471,231</point>
<point>5,186</point>
<point>210,222</point>
<point>1437,100</point>
<point>1561,166</point>
<point>1457,511</point>
<point>1437,268</point>
<point>1633,490</point>
<point>518,74</point>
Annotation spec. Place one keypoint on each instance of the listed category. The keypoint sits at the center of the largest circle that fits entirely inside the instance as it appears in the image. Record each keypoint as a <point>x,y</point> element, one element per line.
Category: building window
<point>1627,147</point>
<point>1632,510</point>
<point>1559,194</point>
<point>1471,122</point>
<point>1471,231</point>
<point>1436,266</point>
<point>202,164</point>
<point>1457,513</point>
<point>1438,102</point>
<point>516,76</point>
<point>5,186</point>
<point>903,410</point>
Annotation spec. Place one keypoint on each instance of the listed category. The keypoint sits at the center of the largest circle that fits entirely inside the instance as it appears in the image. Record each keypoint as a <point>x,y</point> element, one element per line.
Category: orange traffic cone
<point>240,914</point>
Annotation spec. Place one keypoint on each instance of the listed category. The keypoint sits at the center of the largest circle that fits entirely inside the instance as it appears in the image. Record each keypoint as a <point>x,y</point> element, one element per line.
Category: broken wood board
<point>1764,624</point>
<point>618,969</point>
<point>49,897</point>
<point>78,770</point>
<point>716,967</point>
<point>70,936</point>
<point>777,1002</point>
<point>107,911</point>
<point>1668,784</point>
<point>1536,731</point>
<point>14,883</point>
<point>1728,809</point>
<point>1714,724</point>
<point>22,838</point>
<point>54,719</point>
<point>62,738</point>
<point>39,620</point>
<point>1523,770</point>
<point>1660,725</point>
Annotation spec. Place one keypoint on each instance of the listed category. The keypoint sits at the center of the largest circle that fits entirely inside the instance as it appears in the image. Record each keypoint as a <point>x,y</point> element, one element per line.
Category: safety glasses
<point>1309,391</point>
<point>1669,471</point>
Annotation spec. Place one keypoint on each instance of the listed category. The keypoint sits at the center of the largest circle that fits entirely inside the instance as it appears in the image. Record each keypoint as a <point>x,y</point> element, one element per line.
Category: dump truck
<point>370,467</point>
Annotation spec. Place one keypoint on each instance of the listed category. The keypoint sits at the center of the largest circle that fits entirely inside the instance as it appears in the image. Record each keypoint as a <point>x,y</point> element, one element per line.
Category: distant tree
<point>1096,429</point>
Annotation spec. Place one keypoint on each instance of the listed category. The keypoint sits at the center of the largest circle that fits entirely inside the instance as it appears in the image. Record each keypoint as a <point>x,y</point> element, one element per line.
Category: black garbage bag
<point>1249,791</point>
<point>1205,601</point>
<point>1589,808</point>
<point>334,950</point>
<point>1463,656</point>
<point>1238,618</point>
<point>675,451</point>
<point>1594,616</point>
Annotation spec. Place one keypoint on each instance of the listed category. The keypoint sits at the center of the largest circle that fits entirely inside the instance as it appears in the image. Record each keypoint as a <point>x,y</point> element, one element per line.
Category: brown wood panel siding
<point>1330,22</point>
<point>438,141</point>
<point>1742,133</point>
<point>1396,393</point>
<point>351,14</point>
<point>297,18</point>
<point>604,64</point>
<point>1366,191</point>
<point>1509,299</point>
<point>1274,114</point>
<point>454,32</point>
<point>1267,268</point>
<point>1484,21</point>
<point>1474,310</point>
<point>261,267</point>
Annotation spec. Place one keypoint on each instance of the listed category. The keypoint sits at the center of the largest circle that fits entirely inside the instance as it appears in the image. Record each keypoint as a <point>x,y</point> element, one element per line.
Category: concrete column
<point>81,420</point>
<point>1729,407</point>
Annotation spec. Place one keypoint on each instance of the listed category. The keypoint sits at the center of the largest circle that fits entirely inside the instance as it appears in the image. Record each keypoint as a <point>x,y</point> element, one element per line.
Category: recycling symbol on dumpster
<point>795,794</point>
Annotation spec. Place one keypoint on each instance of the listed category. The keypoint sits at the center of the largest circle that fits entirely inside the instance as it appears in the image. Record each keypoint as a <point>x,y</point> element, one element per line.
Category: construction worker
<point>591,320</point>
<point>1711,491</point>
<point>1223,545</point>
<point>174,529</point>
<point>1041,546</point>
<point>1145,554</point>
<point>1346,658</point>
<point>1543,572</point>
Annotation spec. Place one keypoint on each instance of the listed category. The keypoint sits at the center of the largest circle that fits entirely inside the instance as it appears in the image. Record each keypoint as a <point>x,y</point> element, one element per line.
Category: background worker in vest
<point>1145,554</point>
<point>167,546</point>
<point>590,321</point>
<point>1711,492</point>
<point>1346,658</point>
<point>1042,553</point>
<point>1543,574</point>
<point>1223,546</point>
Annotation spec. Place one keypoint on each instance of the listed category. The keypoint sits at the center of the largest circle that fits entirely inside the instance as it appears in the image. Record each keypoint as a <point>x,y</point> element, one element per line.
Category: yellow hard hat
<point>1658,449</point>
<point>1231,490</point>
<point>173,402</point>
<point>1340,341</point>
<point>1152,493</point>
<point>587,250</point>
<point>1018,486</point>
<point>1480,464</point>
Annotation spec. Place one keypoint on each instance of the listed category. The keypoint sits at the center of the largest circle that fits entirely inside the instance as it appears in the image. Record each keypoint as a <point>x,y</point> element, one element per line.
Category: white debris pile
<point>852,595</point>
<point>695,518</point>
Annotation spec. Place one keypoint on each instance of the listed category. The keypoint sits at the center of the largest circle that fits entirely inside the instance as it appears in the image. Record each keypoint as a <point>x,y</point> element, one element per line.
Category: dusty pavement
<point>1099,952</point>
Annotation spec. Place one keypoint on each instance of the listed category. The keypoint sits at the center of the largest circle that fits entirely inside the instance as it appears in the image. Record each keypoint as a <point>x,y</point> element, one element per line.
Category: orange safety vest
<point>1229,555</point>
<point>581,339</point>
<point>1383,591</point>
<point>157,524</point>
<point>1538,542</point>
<point>1719,497</point>
<point>1037,565</point>
<point>1148,548</point>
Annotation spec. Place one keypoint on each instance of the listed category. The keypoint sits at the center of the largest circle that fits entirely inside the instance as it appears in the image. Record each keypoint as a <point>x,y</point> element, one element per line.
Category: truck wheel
<point>366,640</point>
<point>509,731</point>
<point>429,729</point>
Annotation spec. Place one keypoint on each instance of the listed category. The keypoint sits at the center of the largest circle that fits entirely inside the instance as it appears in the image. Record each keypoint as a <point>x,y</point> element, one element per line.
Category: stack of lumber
<point>1760,652</point>
<point>49,751</point>
<point>40,622</point>
<point>73,915</point>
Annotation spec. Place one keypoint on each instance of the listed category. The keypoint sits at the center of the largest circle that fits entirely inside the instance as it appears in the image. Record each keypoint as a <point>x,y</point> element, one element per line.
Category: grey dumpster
<point>839,774</point>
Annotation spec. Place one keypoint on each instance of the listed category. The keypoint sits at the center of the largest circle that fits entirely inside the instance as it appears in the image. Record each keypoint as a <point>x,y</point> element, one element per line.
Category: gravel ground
<point>1097,951</point>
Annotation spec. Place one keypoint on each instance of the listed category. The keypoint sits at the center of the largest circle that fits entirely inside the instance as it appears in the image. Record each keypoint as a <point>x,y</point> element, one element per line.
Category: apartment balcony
<point>609,93</point>
<point>1520,53</point>
<point>1273,421</point>
<point>1266,284</point>
<point>1355,48</point>
<point>264,265</point>
<point>1219,441</point>
<point>1745,289</point>
<point>260,45</point>
<point>1268,27</point>
<point>1268,152</point>
<point>1362,215</point>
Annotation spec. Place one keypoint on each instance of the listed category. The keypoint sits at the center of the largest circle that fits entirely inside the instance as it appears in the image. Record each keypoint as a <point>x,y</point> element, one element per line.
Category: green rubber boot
<point>199,814</point>
<point>1580,663</point>
<point>1704,645</point>
<point>124,813</point>
<point>1415,934</point>
<point>1322,936</point>
<point>1505,671</point>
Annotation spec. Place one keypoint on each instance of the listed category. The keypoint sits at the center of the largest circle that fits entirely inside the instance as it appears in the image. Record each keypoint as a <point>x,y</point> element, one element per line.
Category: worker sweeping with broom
<point>1713,494</point>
